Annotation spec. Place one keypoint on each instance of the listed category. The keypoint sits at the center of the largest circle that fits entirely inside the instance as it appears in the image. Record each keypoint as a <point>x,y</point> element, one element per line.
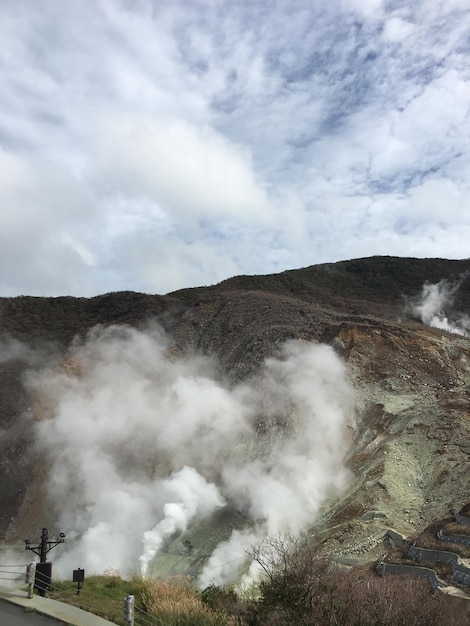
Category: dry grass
<point>455,528</point>
<point>174,600</point>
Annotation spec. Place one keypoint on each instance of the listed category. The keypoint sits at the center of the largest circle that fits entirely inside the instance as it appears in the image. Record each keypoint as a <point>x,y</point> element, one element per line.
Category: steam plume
<point>192,495</point>
<point>434,305</point>
<point>143,444</point>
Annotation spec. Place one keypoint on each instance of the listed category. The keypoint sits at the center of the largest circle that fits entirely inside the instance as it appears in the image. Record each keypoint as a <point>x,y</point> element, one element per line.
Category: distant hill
<point>370,285</point>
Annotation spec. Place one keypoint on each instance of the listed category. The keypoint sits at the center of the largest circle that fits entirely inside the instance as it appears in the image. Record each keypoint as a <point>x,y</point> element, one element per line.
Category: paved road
<point>12,615</point>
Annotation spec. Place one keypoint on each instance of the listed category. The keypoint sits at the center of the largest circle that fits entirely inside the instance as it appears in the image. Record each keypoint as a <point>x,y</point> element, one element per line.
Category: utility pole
<point>43,569</point>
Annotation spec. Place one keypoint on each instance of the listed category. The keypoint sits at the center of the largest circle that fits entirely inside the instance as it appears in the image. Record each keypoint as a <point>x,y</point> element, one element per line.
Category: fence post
<point>29,579</point>
<point>129,610</point>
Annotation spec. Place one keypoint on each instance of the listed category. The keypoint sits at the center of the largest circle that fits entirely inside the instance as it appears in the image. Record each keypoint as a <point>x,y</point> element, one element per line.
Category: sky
<point>154,145</point>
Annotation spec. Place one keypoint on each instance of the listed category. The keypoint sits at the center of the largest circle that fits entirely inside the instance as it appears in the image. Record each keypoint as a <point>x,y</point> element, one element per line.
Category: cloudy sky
<point>157,144</point>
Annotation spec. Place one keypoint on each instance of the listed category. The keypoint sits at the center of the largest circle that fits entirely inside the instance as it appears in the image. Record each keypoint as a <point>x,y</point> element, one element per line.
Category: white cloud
<point>366,8</point>
<point>193,172</point>
<point>397,30</point>
<point>182,117</point>
<point>44,214</point>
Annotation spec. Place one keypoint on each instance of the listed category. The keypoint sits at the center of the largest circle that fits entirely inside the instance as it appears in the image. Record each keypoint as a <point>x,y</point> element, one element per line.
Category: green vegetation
<point>101,595</point>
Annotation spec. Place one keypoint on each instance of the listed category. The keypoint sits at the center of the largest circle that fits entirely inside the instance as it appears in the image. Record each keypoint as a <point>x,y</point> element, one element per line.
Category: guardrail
<point>12,573</point>
<point>132,615</point>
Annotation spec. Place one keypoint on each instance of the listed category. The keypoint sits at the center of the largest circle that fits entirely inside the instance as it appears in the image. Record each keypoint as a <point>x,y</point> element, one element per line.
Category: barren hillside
<point>409,432</point>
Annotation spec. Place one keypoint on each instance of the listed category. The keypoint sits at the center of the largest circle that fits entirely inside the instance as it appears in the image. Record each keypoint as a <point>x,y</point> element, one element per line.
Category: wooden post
<point>30,575</point>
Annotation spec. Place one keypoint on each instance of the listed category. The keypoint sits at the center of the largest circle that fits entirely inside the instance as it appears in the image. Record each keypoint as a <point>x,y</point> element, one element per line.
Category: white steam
<point>193,496</point>
<point>433,302</point>
<point>143,443</point>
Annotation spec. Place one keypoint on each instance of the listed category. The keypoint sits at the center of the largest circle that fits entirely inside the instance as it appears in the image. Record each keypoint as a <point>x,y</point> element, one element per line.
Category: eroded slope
<point>410,459</point>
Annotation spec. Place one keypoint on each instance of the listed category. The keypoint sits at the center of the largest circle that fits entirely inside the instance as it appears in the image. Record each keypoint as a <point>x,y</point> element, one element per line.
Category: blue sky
<point>154,145</point>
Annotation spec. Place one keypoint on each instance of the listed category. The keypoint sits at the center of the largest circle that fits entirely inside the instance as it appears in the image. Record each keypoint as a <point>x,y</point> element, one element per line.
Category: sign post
<point>78,577</point>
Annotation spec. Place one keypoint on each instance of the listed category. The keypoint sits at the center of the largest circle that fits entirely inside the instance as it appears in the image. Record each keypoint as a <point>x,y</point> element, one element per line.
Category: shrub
<point>298,589</point>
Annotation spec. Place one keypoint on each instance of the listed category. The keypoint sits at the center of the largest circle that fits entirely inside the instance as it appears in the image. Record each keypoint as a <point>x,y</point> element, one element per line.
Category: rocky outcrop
<point>412,386</point>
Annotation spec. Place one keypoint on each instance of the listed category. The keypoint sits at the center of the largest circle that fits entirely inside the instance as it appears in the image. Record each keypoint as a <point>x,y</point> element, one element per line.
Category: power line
<point>209,569</point>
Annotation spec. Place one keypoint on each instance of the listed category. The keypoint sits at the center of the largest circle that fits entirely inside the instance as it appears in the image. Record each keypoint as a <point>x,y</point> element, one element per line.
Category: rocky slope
<point>409,453</point>
<point>410,457</point>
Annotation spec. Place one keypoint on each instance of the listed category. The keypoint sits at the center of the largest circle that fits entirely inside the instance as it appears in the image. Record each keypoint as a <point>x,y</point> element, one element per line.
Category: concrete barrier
<point>395,539</point>
<point>410,570</point>
<point>462,539</point>
<point>461,574</point>
<point>432,556</point>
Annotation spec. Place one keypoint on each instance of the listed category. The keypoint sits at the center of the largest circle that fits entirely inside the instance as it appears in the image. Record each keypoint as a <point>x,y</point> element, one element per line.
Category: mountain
<point>398,324</point>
